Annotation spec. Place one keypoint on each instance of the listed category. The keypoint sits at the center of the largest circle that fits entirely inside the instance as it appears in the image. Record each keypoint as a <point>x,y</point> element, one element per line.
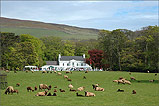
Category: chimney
<point>83,55</point>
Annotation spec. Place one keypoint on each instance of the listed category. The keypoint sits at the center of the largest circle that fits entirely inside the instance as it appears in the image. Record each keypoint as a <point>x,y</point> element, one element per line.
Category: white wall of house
<point>64,65</point>
<point>72,63</point>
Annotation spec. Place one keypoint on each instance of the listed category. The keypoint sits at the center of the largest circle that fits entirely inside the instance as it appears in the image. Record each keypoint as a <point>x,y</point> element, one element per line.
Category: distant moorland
<point>40,29</point>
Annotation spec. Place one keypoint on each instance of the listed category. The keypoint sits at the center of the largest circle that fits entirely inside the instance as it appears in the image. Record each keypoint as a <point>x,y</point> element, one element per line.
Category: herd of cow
<point>11,90</point>
<point>96,87</point>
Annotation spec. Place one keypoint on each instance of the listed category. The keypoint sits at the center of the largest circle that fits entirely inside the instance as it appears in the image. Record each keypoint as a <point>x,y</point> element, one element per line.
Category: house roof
<point>67,58</point>
<point>51,62</point>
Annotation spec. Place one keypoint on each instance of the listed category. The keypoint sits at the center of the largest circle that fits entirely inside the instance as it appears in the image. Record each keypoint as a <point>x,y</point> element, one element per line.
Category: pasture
<point>147,92</point>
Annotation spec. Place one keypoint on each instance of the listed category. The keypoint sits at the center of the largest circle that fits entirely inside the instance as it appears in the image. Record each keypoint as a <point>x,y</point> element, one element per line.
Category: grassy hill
<point>39,29</point>
<point>147,92</point>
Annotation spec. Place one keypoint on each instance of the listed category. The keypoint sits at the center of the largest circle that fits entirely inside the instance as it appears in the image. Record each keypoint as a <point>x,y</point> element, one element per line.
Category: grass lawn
<point>147,92</point>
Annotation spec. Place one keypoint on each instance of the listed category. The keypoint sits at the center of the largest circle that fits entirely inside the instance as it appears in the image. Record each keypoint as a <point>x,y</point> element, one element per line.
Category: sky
<point>108,15</point>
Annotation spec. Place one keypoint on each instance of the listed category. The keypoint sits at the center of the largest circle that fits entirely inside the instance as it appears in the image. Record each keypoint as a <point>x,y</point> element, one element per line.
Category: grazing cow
<point>89,94</point>
<point>55,86</point>
<point>65,76</point>
<point>69,79</point>
<point>30,89</point>
<point>121,81</point>
<point>50,86</point>
<point>15,91</point>
<point>18,84</point>
<point>73,90</point>
<point>9,90</point>
<point>80,88</point>
<point>49,94</point>
<point>35,88</point>
<point>62,90</point>
<point>67,72</point>
<point>95,85</point>
<point>70,86</point>
<point>43,72</point>
<point>41,93</point>
<point>119,90</point>
<point>54,94</point>
<point>133,92</point>
<point>99,89</point>
<point>86,71</point>
<point>132,78</point>
<point>55,90</point>
<point>126,82</point>
<point>43,86</point>
<point>79,95</point>
<point>59,73</point>
<point>84,77</point>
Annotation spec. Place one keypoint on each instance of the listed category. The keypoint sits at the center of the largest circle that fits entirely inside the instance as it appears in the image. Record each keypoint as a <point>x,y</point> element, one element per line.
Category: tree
<point>80,49</point>
<point>112,44</point>
<point>38,44</point>
<point>148,42</point>
<point>54,47</point>
<point>22,54</point>
<point>7,40</point>
<point>130,58</point>
<point>69,49</point>
<point>128,50</point>
<point>95,58</point>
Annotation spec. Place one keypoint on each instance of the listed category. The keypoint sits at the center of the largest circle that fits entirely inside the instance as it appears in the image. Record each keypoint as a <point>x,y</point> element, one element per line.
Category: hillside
<point>39,29</point>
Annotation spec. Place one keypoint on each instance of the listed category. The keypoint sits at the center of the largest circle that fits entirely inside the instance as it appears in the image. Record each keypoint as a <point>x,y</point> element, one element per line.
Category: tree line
<point>131,50</point>
<point>18,51</point>
<point>120,49</point>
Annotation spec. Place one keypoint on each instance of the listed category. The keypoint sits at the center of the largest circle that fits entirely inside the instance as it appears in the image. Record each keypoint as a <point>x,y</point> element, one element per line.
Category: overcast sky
<point>109,15</point>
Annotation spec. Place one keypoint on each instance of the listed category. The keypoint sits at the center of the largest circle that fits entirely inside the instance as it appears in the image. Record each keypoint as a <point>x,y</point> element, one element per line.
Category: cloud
<point>95,14</point>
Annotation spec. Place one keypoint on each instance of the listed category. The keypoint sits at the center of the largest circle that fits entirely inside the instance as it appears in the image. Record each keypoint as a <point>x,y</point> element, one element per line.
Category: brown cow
<point>18,84</point>
<point>41,93</point>
<point>15,91</point>
<point>30,89</point>
<point>43,86</point>
<point>9,90</point>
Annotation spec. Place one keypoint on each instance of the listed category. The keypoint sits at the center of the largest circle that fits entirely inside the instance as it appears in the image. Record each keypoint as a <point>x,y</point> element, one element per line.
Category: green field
<point>147,92</point>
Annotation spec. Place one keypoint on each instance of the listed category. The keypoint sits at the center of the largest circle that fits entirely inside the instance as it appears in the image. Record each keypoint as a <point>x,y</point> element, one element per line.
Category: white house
<point>67,63</point>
